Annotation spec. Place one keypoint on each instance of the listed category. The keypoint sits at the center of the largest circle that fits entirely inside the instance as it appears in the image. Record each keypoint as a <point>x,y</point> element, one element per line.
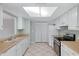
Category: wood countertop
<point>4,46</point>
<point>73,45</point>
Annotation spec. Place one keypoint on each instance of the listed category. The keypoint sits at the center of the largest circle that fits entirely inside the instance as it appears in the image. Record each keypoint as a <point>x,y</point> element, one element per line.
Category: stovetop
<point>60,38</point>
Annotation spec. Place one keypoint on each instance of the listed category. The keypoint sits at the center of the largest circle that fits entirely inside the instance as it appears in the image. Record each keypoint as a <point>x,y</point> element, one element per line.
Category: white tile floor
<point>40,49</point>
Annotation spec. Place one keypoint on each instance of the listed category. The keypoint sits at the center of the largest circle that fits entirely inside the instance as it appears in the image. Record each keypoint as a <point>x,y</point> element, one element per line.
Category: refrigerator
<point>52,32</point>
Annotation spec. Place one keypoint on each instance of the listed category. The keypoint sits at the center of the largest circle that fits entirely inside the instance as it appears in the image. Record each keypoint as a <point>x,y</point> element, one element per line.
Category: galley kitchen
<point>39,29</point>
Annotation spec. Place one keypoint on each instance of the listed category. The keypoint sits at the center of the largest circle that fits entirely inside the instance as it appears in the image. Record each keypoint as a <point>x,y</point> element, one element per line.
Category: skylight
<point>40,11</point>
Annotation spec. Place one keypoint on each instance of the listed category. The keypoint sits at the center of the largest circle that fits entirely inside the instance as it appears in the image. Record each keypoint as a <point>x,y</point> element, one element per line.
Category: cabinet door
<point>28,27</point>
<point>3,54</point>
<point>72,17</point>
<point>61,20</point>
<point>20,23</point>
<point>63,51</point>
<point>57,22</point>
<point>23,45</point>
<point>19,49</point>
<point>1,18</point>
<point>66,51</point>
<point>69,18</point>
<point>10,52</point>
<point>73,21</point>
<point>64,20</point>
<point>28,43</point>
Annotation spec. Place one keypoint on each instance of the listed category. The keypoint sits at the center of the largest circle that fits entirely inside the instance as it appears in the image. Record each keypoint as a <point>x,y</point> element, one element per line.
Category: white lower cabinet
<point>22,46</point>
<point>10,52</point>
<point>27,43</point>
<point>19,49</point>
<point>65,51</point>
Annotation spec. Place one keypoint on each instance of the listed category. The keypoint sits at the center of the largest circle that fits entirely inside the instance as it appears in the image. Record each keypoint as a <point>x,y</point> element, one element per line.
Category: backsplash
<point>62,32</point>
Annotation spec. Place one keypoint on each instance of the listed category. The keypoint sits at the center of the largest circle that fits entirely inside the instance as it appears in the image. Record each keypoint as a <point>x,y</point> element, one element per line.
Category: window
<point>40,11</point>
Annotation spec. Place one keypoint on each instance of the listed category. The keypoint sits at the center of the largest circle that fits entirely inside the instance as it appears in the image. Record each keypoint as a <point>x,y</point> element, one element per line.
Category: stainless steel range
<point>57,42</point>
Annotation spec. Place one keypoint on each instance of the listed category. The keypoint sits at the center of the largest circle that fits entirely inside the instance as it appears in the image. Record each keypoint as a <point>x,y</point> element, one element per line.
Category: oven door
<point>57,47</point>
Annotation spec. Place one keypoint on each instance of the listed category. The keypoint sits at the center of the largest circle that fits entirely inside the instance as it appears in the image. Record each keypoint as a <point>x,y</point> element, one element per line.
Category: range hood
<point>64,27</point>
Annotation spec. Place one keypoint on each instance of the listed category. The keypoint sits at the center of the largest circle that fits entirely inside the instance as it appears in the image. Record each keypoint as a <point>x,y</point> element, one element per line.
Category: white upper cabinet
<point>1,18</point>
<point>20,23</point>
<point>27,26</point>
<point>73,21</point>
<point>72,17</point>
<point>63,20</point>
<point>57,23</point>
<point>69,19</point>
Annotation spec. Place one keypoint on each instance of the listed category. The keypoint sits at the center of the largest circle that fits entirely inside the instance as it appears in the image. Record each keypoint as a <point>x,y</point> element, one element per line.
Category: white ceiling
<point>18,10</point>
